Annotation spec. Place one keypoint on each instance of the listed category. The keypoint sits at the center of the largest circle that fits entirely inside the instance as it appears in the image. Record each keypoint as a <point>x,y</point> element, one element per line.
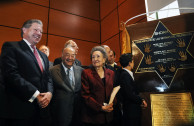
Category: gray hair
<point>101,49</point>
<point>69,43</point>
<point>28,24</point>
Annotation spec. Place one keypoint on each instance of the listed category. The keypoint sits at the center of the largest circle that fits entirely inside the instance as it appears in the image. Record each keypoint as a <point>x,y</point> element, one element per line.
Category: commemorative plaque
<point>163,52</point>
<point>171,109</point>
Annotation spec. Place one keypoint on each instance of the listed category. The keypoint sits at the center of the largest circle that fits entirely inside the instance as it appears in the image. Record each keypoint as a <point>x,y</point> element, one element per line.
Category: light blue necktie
<point>69,74</point>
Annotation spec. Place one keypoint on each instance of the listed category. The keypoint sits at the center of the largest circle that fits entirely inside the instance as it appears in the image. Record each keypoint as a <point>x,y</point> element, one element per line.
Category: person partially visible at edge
<point>112,58</point>
<point>113,66</point>
<point>97,85</point>
<point>45,49</point>
<point>65,105</point>
<point>132,102</point>
<point>69,43</point>
<point>27,79</point>
<point>110,64</point>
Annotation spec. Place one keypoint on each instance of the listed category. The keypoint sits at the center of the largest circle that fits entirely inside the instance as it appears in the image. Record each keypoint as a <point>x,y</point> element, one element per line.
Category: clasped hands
<point>107,108</point>
<point>44,99</point>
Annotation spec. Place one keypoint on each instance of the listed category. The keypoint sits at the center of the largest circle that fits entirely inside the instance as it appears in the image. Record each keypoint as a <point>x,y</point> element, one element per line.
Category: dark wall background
<point>88,22</point>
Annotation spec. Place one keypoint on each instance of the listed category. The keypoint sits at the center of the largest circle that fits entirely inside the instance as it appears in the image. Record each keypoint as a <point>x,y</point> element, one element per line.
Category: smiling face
<point>111,59</point>
<point>33,34</point>
<point>97,59</point>
<point>68,57</point>
<point>45,50</point>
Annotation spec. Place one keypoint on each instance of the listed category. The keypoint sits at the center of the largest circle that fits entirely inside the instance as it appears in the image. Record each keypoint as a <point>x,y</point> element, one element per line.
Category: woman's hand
<point>144,104</point>
<point>107,108</point>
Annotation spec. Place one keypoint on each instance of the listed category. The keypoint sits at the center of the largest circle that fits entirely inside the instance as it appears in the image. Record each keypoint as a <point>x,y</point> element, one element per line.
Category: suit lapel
<point>107,81</point>
<point>77,77</point>
<point>106,75</point>
<point>95,74</point>
<point>43,60</point>
<point>28,51</point>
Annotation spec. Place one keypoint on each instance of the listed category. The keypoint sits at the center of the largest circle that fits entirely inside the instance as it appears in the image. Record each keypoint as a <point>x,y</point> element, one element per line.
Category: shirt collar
<point>131,73</point>
<point>26,41</point>
<point>65,68</point>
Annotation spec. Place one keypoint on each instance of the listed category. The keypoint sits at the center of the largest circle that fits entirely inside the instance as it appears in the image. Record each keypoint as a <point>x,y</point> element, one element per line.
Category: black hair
<point>125,59</point>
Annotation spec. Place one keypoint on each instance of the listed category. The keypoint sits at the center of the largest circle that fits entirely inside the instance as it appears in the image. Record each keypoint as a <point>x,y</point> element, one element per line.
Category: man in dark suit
<point>28,83</point>
<point>111,61</point>
<point>69,43</point>
<point>132,102</point>
<point>65,106</point>
<point>2,98</point>
<point>113,66</point>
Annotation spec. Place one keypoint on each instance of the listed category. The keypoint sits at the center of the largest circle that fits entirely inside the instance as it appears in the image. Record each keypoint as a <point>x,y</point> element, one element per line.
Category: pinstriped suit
<point>65,105</point>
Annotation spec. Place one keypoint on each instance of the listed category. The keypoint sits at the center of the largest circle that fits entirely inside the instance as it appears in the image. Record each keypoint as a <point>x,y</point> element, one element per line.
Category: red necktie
<point>37,58</point>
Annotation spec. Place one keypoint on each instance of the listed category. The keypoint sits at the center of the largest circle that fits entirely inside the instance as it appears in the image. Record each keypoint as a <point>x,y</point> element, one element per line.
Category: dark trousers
<point>2,122</point>
<point>89,124</point>
<point>33,121</point>
<point>133,121</point>
<point>117,116</point>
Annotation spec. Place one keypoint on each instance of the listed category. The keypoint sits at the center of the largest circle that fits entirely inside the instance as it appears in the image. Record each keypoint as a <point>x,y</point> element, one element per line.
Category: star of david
<point>165,53</point>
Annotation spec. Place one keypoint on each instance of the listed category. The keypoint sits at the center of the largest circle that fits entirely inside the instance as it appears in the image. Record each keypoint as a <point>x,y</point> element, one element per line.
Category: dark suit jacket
<point>65,104</point>
<point>95,93</point>
<point>59,60</point>
<point>3,112</point>
<point>131,99</point>
<point>23,77</point>
<point>117,112</point>
<point>117,70</point>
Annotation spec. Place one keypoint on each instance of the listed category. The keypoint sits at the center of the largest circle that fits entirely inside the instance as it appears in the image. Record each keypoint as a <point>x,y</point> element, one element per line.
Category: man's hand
<point>44,99</point>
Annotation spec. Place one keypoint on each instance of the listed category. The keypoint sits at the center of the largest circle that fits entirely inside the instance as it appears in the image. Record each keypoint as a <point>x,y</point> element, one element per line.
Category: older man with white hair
<point>69,43</point>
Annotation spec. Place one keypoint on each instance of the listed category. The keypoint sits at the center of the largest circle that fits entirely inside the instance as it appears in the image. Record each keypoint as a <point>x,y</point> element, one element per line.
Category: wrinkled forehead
<point>69,51</point>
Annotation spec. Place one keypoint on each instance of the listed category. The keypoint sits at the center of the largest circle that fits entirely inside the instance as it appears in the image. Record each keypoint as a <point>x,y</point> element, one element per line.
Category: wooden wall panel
<point>56,45</point>
<point>111,18</point>
<point>106,6</point>
<point>109,26</point>
<point>40,2</point>
<point>14,14</point>
<point>120,1</point>
<point>68,25</point>
<point>114,44</point>
<point>5,33</point>
<point>131,8</point>
<point>86,8</point>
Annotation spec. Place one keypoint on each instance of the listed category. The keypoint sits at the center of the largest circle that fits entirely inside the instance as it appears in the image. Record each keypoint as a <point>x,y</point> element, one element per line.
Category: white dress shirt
<point>131,73</point>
